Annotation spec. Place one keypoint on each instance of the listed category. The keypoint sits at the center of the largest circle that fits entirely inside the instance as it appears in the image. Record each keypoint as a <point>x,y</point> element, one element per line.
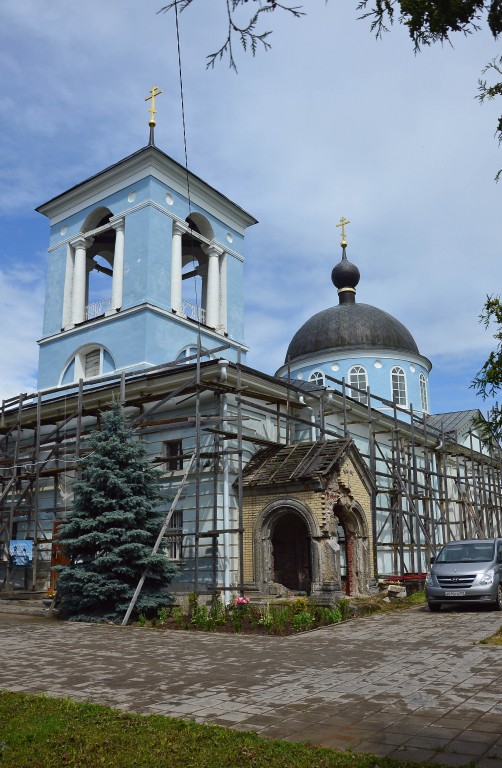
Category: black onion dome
<point>345,274</point>
<point>350,325</point>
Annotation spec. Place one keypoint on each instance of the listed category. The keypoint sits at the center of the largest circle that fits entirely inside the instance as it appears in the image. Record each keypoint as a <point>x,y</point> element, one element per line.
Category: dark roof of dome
<point>350,325</point>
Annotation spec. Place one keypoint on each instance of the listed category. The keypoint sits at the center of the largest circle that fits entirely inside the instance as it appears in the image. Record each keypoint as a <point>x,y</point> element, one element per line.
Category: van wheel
<point>435,607</point>
<point>498,602</point>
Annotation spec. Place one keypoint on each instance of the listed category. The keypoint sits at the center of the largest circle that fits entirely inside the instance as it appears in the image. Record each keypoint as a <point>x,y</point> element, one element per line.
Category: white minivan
<point>466,572</point>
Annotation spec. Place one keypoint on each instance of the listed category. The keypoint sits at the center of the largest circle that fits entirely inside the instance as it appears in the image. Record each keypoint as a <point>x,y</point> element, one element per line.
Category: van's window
<point>462,552</point>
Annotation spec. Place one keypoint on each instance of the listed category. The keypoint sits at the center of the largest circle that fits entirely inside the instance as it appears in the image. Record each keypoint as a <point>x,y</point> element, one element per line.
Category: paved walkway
<point>411,685</point>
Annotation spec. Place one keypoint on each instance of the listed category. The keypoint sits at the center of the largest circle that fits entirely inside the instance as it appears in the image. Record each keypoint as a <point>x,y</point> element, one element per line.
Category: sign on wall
<point>21,552</point>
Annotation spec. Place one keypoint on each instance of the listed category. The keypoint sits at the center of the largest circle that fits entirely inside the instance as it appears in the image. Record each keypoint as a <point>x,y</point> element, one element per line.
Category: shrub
<point>178,616</point>
<point>344,606</point>
<point>202,619</point>
<point>300,605</point>
<point>218,612</point>
<point>331,615</point>
<point>303,621</point>
<point>193,603</point>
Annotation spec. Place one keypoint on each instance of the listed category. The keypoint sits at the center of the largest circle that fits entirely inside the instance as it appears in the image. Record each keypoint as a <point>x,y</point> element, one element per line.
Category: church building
<point>317,480</point>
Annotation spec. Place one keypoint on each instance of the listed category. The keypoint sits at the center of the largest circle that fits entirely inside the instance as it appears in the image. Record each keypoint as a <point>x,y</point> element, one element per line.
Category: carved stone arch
<point>355,547</point>
<point>271,516</point>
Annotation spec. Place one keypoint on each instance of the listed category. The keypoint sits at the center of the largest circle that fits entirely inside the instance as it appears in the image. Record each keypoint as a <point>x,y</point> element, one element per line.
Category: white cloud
<point>21,307</point>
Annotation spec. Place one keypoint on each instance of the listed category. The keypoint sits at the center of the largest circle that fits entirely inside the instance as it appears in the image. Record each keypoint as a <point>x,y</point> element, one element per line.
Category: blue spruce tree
<point>111,529</point>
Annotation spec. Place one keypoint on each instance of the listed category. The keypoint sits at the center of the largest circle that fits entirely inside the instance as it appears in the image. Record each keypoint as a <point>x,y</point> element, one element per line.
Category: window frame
<point>400,386</point>
<point>424,395</point>
<point>173,538</point>
<point>317,377</point>
<point>360,396</point>
<point>173,452</point>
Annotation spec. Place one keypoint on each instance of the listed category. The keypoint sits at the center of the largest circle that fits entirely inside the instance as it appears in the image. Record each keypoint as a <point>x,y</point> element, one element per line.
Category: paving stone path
<point>412,685</point>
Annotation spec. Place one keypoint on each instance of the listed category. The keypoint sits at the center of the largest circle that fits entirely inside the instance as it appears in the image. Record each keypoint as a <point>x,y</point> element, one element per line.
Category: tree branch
<point>247,35</point>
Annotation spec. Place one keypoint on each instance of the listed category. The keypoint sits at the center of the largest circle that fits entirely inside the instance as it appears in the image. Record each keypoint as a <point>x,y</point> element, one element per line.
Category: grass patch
<point>495,639</point>
<point>40,732</point>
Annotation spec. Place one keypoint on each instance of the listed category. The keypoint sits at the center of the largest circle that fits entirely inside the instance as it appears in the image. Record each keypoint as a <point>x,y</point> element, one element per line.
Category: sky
<point>330,122</point>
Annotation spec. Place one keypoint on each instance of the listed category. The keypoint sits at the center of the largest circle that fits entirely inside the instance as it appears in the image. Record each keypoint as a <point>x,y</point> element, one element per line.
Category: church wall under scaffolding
<point>428,488</point>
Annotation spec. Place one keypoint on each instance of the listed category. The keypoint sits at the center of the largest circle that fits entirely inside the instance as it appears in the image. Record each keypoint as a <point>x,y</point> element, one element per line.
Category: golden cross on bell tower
<point>343,222</point>
<point>154,91</point>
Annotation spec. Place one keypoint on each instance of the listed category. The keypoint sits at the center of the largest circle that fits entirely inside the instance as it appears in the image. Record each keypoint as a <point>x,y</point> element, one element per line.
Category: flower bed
<point>278,618</point>
<point>241,616</point>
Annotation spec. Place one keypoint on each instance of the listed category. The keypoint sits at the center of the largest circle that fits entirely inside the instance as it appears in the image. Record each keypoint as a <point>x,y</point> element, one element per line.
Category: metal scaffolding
<point>430,486</point>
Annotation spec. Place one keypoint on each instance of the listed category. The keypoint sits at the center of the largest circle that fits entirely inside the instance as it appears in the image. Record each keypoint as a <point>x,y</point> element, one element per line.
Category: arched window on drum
<point>398,386</point>
<point>358,381</point>
<point>317,377</point>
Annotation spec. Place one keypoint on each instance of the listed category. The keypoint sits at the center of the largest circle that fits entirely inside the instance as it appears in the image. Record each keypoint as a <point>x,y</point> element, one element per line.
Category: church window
<point>317,377</point>
<point>174,536</point>
<point>191,352</point>
<point>423,393</point>
<point>87,363</point>
<point>359,380</point>
<point>92,363</point>
<point>398,382</point>
<point>173,450</point>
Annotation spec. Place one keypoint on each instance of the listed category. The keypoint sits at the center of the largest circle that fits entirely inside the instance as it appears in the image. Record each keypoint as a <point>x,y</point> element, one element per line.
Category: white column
<point>223,293</point>
<point>118,264</point>
<point>80,245</point>
<point>176,267</point>
<point>213,287</point>
<point>68,288</point>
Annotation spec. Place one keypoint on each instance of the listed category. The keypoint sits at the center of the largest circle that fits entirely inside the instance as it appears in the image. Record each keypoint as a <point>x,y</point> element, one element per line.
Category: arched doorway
<point>291,560</point>
<point>354,548</point>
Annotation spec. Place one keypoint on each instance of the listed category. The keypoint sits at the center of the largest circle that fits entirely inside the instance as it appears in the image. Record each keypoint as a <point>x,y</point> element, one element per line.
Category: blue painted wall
<point>379,379</point>
<point>143,338</point>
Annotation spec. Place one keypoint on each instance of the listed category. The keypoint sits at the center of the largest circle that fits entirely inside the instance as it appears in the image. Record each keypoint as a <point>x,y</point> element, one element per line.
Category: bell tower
<point>144,257</point>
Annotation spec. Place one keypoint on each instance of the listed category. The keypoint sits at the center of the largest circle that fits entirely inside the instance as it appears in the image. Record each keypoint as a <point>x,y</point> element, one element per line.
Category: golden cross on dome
<point>343,222</point>
<point>154,91</point>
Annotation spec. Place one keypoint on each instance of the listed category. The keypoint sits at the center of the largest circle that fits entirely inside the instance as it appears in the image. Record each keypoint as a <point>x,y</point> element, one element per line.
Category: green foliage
<point>489,379</point>
<point>142,620</point>
<point>178,616</point>
<point>162,615</point>
<point>489,92</point>
<point>344,607</point>
<point>303,621</point>
<point>265,620</point>
<point>427,21</point>
<point>111,529</point>
<point>202,618</point>
<point>44,732</point>
<point>331,615</point>
<point>237,621</point>
<point>433,21</point>
<point>193,603</point>
<point>218,612</point>
<point>300,605</point>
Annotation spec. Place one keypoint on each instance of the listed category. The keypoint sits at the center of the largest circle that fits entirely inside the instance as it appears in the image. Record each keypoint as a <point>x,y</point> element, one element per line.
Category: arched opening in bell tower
<point>194,273</point>
<point>95,267</point>
<point>99,258</point>
<point>198,273</point>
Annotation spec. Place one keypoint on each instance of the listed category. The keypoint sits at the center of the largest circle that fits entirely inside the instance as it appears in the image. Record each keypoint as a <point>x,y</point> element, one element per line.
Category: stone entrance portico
<point>307,520</point>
